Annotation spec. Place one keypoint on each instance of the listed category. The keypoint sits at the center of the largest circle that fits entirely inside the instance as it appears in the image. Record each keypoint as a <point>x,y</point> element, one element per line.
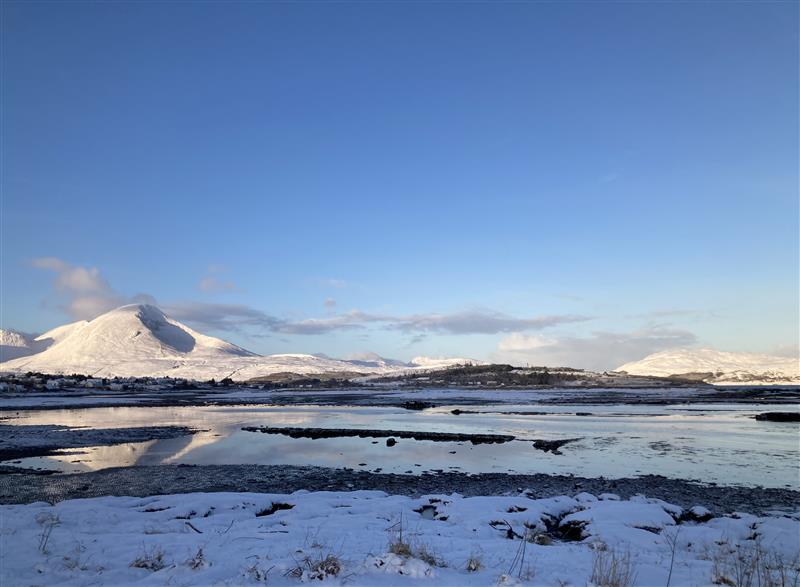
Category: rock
<point>779,416</point>
<point>416,405</point>
<point>697,514</point>
<point>390,442</point>
<point>552,446</point>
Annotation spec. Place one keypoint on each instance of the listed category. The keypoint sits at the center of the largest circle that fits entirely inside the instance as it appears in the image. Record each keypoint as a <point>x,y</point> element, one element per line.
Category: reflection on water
<point>718,443</point>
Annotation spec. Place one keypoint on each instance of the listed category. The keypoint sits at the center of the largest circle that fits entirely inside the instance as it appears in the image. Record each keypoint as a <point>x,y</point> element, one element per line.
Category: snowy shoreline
<point>22,486</point>
<point>374,538</point>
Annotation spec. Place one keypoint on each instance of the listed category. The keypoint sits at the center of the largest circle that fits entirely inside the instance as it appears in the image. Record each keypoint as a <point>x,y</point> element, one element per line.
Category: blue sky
<point>581,182</point>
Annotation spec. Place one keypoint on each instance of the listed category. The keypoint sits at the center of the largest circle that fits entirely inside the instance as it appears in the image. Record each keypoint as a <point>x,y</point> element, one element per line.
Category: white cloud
<point>600,351</point>
<point>85,293</point>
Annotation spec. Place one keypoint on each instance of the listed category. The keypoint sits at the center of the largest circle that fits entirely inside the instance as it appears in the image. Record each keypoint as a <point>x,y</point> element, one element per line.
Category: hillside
<point>718,367</point>
<point>139,340</point>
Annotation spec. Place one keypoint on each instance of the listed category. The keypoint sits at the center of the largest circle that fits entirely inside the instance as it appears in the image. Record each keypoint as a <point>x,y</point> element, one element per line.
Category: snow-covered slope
<point>141,341</point>
<point>132,340</point>
<point>722,367</point>
<point>59,333</point>
<point>441,362</point>
<point>15,344</point>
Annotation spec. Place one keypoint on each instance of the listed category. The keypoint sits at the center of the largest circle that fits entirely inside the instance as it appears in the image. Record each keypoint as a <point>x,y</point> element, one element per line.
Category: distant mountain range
<point>718,367</point>
<point>139,340</point>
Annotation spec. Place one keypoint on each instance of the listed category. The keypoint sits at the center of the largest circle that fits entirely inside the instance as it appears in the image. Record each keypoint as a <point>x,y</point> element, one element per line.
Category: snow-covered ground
<point>728,368</point>
<point>371,538</point>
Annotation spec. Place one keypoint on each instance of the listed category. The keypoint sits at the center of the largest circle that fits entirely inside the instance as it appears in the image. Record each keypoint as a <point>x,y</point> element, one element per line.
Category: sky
<point>578,183</point>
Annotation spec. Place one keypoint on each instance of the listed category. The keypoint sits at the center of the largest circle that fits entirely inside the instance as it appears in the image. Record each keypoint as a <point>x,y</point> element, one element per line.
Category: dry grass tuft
<point>611,568</point>
<point>152,560</point>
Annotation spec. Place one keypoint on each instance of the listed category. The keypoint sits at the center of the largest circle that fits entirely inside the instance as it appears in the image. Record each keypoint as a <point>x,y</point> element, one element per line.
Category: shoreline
<point>400,397</point>
<point>23,486</point>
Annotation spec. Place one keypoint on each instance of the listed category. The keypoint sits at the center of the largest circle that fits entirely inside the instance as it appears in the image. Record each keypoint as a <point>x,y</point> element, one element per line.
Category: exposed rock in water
<point>416,405</point>
<point>779,416</point>
<point>343,432</point>
<point>553,446</point>
<point>390,442</point>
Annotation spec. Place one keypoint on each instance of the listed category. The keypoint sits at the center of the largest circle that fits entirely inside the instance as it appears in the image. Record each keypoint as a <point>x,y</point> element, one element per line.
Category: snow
<point>727,367</point>
<point>59,333</point>
<point>440,362</point>
<point>14,344</point>
<point>371,538</point>
<point>139,340</point>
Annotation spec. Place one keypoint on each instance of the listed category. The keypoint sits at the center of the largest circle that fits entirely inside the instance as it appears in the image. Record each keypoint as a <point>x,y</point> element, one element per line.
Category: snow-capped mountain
<point>15,344</point>
<point>139,340</point>
<point>719,367</point>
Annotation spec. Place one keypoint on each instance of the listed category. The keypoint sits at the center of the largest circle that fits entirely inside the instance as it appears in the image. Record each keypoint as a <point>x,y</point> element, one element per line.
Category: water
<point>718,443</point>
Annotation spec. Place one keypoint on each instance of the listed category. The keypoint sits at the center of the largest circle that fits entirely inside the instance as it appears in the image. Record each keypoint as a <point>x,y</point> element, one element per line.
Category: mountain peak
<point>141,340</point>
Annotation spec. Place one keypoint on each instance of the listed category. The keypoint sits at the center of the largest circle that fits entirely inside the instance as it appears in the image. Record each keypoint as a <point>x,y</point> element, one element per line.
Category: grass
<point>198,561</point>
<point>152,560</point>
<point>48,522</point>
<point>316,569</point>
<point>611,568</point>
<point>474,563</point>
<point>401,547</point>
<point>753,566</point>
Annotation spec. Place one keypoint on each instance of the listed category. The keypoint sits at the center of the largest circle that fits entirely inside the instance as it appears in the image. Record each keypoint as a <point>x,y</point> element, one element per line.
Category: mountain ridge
<point>139,340</point>
<point>721,367</point>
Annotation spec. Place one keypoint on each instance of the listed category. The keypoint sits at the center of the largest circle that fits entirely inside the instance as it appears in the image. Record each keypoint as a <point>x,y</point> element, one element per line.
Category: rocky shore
<point>26,487</point>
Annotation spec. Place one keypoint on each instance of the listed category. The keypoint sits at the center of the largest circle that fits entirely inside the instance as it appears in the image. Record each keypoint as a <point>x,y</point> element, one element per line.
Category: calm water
<point>713,443</point>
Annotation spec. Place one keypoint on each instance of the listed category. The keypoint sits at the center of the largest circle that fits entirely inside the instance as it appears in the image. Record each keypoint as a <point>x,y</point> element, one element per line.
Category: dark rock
<point>552,446</point>
<point>416,405</point>
<point>316,433</point>
<point>390,442</point>
<point>779,416</point>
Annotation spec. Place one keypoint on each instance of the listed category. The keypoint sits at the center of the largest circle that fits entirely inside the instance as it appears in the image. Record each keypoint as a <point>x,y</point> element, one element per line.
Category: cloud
<point>468,322</point>
<point>787,350</point>
<point>84,292</point>
<point>225,317</point>
<point>236,317</point>
<point>211,283</point>
<point>87,294</point>
<point>350,321</point>
<point>600,351</point>
<point>677,313</point>
<point>333,282</point>
<point>477,322</point>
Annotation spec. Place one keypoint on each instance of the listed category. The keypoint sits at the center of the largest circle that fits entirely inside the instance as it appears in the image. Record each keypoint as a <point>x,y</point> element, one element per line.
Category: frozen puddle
<point>371,538</point>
